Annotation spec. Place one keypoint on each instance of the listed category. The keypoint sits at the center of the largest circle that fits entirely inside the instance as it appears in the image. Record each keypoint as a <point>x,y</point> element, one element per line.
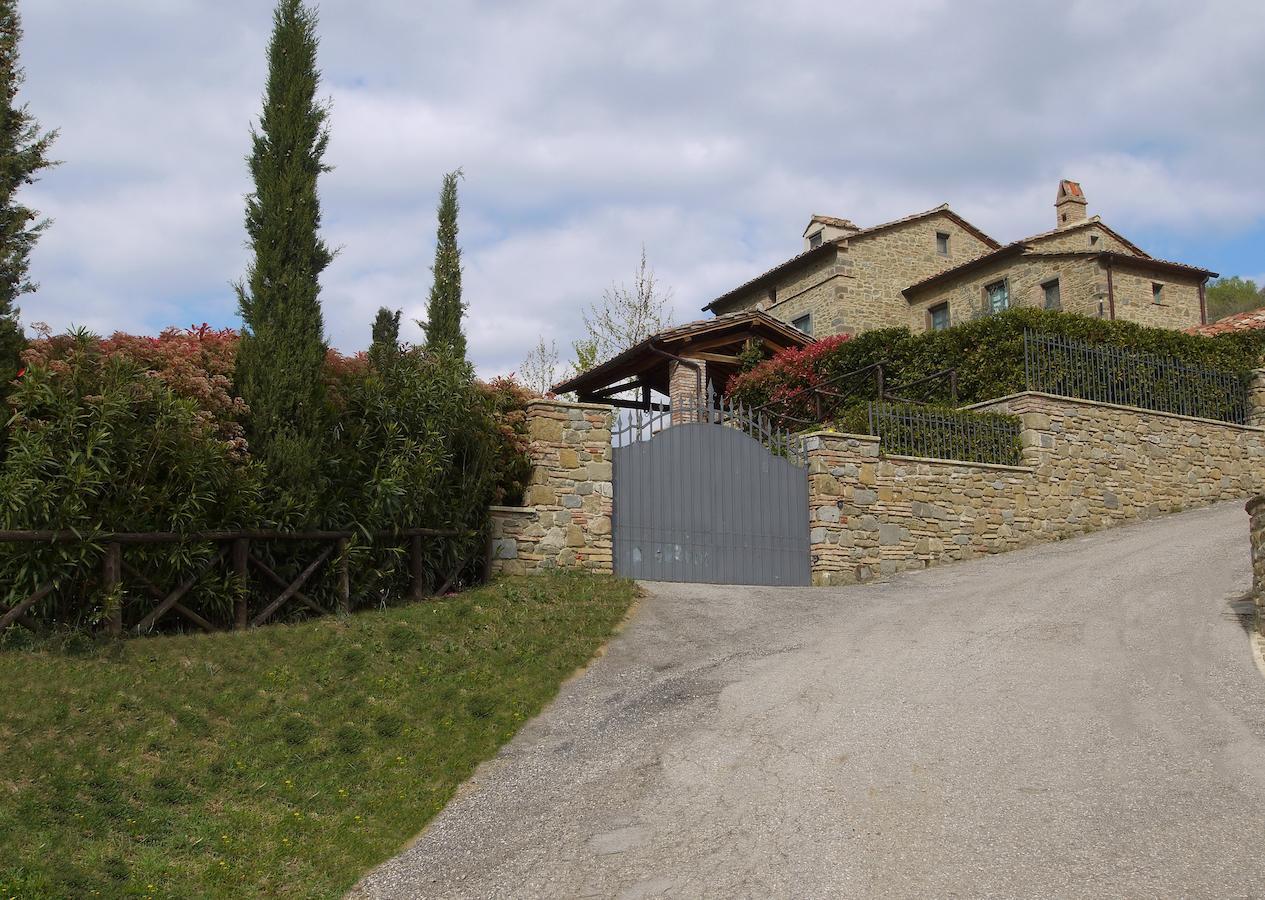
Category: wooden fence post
<point>112,577</point>
<point>418,590</point>
<point>344,576</point>
<point>241,558</point>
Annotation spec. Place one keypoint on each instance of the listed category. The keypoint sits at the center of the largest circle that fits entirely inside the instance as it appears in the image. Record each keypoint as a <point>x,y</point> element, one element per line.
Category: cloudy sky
<point>708,130</point>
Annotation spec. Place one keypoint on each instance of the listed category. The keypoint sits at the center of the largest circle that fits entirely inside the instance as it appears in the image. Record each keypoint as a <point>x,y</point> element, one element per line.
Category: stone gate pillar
<point>565,519</point>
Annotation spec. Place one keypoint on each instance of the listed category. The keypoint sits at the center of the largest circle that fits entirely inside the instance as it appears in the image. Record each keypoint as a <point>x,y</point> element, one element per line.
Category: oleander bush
<point>136,433</point>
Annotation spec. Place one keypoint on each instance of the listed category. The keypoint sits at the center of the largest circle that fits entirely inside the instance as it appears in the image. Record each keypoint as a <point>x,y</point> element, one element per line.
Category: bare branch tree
<point>540,370</point>
<point>626,316</point>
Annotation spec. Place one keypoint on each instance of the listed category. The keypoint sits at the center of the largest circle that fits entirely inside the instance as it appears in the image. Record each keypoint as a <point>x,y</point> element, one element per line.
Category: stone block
<point>544,429</point>
<point>504,548</point>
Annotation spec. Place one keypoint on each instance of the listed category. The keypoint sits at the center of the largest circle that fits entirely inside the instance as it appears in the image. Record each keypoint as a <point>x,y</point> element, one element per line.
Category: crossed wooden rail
<point>238,550</point>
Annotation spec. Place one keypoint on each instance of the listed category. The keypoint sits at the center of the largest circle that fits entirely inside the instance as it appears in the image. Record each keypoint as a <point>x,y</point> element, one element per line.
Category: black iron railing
<point>907,429</point>
<point>1058,365</point>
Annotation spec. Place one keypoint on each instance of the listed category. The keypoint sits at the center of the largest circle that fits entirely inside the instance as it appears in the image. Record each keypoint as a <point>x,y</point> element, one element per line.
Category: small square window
<point>997,296</point>
<point>1053,298</point>
<point>814,240</point>
<point>938,316</point>
<point>942,243</point>
<point>1157,292</point>
<point>804,323</point>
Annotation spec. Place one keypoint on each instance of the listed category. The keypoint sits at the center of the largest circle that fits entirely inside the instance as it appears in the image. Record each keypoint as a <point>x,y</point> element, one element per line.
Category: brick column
<point>683,390</point>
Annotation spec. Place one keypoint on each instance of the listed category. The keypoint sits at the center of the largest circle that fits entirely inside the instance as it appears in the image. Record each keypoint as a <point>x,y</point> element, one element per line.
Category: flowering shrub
<point>97,442</point>
<point>136,433</point>
<point>195,363</point>
<point>508,401</point>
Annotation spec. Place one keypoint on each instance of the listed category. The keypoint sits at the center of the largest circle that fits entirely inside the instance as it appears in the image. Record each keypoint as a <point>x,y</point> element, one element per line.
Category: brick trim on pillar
<point>683,390</point>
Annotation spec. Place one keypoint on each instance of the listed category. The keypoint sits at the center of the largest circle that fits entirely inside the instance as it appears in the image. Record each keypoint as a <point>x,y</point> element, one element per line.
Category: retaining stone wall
<point>565,521</point>
<point>1086,466</point>
<point>1256,519</point>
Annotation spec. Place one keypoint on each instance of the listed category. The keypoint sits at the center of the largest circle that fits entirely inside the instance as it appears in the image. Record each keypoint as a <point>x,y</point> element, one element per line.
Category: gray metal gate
<point>717,498</point>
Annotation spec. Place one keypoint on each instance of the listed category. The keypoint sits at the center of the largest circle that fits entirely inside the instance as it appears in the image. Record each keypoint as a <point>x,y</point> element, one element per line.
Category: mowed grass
<point>284,761</point>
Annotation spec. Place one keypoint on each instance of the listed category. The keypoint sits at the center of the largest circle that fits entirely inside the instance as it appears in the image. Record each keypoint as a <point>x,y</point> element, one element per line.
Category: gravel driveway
<point>1079,719</point>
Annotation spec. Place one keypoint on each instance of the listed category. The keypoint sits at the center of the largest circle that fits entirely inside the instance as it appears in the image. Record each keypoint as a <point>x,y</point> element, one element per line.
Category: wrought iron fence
<point>907,429</point>
<point>1058,365</point>
<point>639,425</point>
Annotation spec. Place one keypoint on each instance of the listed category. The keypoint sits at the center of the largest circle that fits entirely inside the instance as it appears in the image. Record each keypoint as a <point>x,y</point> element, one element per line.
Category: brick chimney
<point>1070,204</point>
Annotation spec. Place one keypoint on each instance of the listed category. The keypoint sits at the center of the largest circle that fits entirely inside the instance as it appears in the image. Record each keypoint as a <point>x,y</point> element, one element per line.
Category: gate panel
<point>706,503</point>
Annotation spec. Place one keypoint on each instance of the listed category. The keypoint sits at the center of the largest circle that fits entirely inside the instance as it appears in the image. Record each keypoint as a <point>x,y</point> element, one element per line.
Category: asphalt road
<point>1080,719</point>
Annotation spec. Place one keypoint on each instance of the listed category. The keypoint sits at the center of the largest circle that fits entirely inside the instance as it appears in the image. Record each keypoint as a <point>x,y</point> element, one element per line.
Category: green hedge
<point>987,354</point>
<point>936,431</point>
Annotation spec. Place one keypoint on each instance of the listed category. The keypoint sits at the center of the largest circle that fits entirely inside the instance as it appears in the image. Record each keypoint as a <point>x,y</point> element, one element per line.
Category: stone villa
<point>926,271</point>
<point>935,269</point>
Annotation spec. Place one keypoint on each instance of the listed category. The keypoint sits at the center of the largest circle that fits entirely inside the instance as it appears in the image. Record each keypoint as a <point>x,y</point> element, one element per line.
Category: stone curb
<point>1257,641</point>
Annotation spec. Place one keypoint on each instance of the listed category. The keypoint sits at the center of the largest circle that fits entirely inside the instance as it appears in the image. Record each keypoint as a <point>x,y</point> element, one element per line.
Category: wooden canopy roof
<point>716,341</point>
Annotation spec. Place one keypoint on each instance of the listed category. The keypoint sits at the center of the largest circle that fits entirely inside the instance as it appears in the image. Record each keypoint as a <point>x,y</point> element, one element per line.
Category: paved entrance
<point>705,501</point>
<point>1080,719</point>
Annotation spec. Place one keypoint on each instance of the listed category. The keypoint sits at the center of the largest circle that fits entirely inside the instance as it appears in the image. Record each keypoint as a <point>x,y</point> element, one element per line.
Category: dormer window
<point>942,243</point>
<point>814,240</point>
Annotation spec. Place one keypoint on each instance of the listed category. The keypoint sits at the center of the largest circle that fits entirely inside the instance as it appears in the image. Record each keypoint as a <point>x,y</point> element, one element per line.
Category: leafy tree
<point>445,307</point>
<point>386,336</point>
<point>1227,296</point>
<point>23,155</point>
<point>279,363</point>
<point>626,316</point>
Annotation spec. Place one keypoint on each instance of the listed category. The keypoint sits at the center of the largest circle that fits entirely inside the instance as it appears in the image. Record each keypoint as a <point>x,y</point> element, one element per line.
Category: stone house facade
<point>934,269</point>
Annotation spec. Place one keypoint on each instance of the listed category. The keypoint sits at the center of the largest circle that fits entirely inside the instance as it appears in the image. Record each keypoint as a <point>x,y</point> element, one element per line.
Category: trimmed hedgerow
<point>987,354</point>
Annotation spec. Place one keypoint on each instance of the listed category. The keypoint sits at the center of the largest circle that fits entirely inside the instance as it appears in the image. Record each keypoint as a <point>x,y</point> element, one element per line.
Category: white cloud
<point>709,131</point>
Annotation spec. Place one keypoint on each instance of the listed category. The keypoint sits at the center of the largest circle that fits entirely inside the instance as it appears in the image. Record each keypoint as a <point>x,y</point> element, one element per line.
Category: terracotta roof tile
<point>1252,320</point>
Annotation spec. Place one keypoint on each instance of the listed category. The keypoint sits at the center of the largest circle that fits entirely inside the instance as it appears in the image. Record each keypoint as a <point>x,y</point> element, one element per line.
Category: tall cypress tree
<point>23,154</point>
<point>386,337</point>
<point>445,308</point>
<point>282,350</point>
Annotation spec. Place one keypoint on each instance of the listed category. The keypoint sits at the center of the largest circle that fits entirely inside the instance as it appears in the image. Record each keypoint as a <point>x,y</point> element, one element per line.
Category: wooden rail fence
<point>236,547</point>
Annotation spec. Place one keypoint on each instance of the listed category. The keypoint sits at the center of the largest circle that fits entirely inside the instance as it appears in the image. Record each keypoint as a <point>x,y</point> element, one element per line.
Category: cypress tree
<point>282,351</point>
<point>23,154</point>
<point>445,308</point>
<point>386,336</point>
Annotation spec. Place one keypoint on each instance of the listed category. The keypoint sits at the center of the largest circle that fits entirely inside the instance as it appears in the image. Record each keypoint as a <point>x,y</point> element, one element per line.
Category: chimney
<point>822,229</point>
<point>1070,204</point>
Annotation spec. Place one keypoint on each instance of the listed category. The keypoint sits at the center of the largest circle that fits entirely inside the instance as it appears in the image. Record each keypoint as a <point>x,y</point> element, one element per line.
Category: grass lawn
<point>283,761</point>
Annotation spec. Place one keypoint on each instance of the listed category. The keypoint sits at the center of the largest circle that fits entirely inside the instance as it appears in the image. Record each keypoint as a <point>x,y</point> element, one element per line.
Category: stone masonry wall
<point>885,263</point>
<point>1135,302</point>
<point>1082,288</point>
<point>1078,239</point>
<point>859,288</point>
<point>1256,530</point>
<point>565,520</point>
<point>1086,466</point>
